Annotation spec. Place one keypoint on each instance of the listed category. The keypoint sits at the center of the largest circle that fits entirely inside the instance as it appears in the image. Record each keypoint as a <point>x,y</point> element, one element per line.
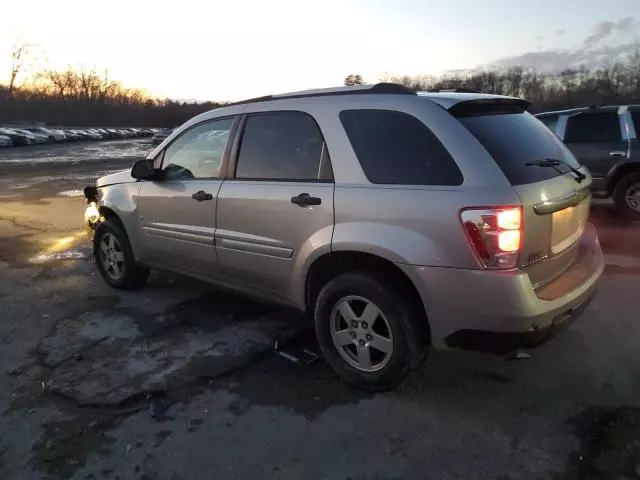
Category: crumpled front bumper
<point>91,214</point>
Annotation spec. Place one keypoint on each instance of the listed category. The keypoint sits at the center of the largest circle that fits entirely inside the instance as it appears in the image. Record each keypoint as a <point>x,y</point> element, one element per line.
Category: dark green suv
<point>605,139</point>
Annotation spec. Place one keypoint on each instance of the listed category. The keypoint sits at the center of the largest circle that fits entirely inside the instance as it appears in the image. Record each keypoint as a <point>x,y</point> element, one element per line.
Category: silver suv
<point>399,221</point>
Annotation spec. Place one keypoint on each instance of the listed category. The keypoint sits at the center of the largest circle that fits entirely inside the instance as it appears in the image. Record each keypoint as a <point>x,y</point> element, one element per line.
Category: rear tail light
<point>495,234</point>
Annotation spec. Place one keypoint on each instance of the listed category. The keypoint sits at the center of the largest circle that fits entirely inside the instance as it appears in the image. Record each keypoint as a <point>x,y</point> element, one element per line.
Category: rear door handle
<point>616,153</point>
<point>304,200</point>
<point>202,196</point>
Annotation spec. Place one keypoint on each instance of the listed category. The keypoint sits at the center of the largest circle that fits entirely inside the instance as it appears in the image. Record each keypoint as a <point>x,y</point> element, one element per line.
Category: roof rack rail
<point>453,90</point>
<point>378,88</point>
<point>597,105</point>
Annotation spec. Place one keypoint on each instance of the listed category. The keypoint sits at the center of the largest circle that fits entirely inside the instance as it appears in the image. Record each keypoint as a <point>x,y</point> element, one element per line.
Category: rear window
<point>517,138</point>
<point>396,148</point>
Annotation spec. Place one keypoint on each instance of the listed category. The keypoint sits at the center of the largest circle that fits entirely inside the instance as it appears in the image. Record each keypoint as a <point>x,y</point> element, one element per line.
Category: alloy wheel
<point>632,196</point>
<point>112,256</point>
<point>361,333</point>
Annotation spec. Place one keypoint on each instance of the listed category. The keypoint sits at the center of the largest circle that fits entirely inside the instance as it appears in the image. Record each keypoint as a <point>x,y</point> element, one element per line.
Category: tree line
<point>84,97</point>
<point>88,97</point>
<point>617,83</point>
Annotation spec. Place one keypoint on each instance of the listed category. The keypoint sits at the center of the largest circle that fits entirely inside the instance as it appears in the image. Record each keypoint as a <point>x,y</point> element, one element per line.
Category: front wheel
<point>360,325</point>
<point>115,259</point>
<point>626,196</point>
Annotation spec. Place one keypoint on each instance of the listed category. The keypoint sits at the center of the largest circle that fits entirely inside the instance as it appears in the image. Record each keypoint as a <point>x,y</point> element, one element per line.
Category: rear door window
<point>513,139</point>
<point>396,148</point>
<point>281,146</point>
<point>602,127</point>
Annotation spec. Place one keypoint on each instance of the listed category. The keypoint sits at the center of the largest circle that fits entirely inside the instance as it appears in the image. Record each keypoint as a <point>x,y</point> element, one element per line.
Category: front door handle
<point>202,196</point>
<point>616,153</point>
<point>304,200</point>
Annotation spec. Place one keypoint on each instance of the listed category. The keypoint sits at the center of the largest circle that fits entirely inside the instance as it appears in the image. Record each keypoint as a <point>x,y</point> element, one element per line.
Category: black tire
<point>396,313</point>
<point>625,185</point>
<point>131,274</point>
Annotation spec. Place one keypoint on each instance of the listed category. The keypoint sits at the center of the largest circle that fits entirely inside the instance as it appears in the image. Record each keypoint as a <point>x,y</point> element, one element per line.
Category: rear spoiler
<point>489,106</point>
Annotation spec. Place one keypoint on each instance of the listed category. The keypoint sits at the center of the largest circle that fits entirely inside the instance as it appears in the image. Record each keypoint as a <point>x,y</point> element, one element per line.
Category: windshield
<point>515,139</point>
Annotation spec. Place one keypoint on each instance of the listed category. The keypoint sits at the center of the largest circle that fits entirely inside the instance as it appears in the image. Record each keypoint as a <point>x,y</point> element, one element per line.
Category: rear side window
<point>636,121</point>
<point>397,148</point>
<point>284,146</point>
<point>601,127</point>
<point>550,121</point>
<point>515,139</point>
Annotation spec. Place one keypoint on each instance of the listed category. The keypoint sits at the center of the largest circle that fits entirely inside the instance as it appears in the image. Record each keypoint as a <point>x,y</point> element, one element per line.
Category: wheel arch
<point>332,264</point>
<point>620,172</point>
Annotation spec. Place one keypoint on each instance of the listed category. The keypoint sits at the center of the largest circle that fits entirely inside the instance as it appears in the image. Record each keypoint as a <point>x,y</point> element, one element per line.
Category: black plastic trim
<point>505,342</point>
<point>379,88</point>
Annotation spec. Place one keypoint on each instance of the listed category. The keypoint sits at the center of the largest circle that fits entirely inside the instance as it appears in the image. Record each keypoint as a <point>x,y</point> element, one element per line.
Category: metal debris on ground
<point>296,354</point>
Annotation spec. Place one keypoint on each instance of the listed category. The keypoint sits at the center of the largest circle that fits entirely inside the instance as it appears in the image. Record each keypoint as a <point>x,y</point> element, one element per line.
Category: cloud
<point>604,29</point>
<point>555,61</point>
<point>540,37</point>
<point>626,24</point>
<point>601,30</point>
<point>562,31</point>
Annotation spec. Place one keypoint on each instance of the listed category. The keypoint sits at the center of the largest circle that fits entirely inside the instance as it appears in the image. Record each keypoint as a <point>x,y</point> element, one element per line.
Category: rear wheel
<point>360,325</point>
<point>115,259</point>
<point>626,196</point>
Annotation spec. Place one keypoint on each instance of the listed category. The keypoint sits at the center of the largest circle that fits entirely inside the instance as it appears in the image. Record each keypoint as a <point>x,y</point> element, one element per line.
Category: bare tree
<point>19,55</point>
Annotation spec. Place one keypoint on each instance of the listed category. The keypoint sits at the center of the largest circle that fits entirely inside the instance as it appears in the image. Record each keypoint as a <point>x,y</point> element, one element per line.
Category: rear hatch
<point>553,187</point>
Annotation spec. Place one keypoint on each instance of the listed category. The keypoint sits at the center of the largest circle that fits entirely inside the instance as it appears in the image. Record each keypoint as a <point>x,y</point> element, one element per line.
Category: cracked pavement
<point>180,381</point>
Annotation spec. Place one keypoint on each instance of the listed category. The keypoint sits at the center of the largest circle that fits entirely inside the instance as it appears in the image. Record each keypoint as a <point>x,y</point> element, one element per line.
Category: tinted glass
<point>550,121</point>
<point>593,128</point>
<point>397,148</point>
<point>280,146</point>
<point>518,138</point>
<point>636,121</point>
<point>198,152</point>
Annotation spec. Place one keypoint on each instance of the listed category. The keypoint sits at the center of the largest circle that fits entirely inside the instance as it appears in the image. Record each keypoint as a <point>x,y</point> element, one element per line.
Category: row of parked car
<point>15,137</point>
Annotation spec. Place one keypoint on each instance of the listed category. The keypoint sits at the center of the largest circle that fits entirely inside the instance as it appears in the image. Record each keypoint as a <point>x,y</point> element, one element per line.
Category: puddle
<point>70,193</point>
<point>52,257</point>
<point>65,446</point>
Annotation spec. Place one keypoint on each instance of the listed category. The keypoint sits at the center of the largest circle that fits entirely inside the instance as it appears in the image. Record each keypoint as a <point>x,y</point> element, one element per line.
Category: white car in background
<point>94,134</point>
<point>52,135</point>
<point>33,137</point>
<point>5,141</point>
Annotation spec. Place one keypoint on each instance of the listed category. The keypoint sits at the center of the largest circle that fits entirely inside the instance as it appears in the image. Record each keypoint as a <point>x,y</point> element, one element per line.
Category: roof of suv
<point>444,98</point>
<point>591,108</point>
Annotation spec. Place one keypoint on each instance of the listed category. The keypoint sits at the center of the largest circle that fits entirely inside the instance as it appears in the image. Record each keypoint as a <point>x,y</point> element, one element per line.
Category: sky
<point>234,49</point>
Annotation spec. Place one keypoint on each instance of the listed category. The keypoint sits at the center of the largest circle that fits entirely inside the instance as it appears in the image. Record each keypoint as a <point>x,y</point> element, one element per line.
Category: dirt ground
<point>181,381</point>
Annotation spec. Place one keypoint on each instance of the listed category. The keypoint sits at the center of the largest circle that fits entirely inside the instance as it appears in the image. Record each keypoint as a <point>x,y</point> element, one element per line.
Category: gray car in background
<point>161,135</point>
<point>398,221</point>
<point>605,139</point>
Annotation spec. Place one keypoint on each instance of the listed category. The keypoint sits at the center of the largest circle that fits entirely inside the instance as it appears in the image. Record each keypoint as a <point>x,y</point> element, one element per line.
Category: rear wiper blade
<point>554,163</point>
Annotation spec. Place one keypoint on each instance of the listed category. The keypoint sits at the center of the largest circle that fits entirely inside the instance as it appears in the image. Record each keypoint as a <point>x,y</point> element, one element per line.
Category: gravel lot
<point>180,381</point>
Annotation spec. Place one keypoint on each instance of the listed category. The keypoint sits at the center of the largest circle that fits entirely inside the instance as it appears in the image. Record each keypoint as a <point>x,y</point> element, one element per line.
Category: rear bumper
<point>505,342</point>
<point>500,311</point>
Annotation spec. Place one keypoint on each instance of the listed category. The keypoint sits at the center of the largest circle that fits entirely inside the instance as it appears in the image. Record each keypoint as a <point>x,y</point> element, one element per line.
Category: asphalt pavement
<point>181,381</point>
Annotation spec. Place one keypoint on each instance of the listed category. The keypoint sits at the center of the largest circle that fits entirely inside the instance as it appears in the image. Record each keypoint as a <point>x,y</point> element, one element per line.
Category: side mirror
<point>143,170</point>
